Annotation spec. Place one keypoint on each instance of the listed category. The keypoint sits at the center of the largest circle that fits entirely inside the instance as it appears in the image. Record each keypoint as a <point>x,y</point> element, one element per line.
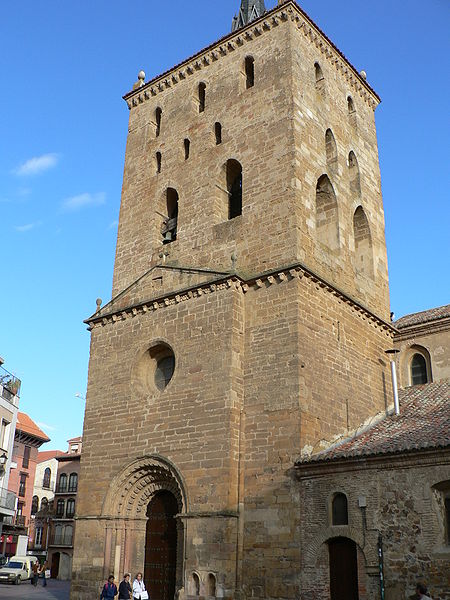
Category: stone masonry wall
<point>402,504</point>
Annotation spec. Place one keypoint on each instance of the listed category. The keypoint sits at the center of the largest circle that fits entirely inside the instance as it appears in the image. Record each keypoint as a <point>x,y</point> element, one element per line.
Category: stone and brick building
<point>386,488</point>
<point>62,518</point>
<point>249,316</point>
<point>42,502</point>
<point>28,439</point>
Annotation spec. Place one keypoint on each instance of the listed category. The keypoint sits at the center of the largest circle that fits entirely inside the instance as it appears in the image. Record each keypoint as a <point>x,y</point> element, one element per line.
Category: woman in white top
<point>139,591</point>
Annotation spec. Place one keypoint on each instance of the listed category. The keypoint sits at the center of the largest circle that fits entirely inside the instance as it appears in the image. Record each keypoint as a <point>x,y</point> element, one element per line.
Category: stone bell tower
<point>249,313</point>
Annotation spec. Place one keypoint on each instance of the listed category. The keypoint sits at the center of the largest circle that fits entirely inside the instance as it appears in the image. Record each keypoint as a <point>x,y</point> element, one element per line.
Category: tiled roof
<point>434,314</point>
<point>76,439</point>
<point>48,454</point>
<point>27,425</point>
<point>423,422</point>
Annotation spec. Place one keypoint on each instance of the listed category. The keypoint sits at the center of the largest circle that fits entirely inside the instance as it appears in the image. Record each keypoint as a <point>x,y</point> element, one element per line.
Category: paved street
<point>55,590</point>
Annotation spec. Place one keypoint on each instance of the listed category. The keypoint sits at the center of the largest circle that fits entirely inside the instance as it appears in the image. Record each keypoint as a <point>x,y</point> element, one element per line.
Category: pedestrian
<point>139,591</point>
<point>422,592</point>
<point>43,574</point>
<point>35,575</point>
<point>109,589</point>
<point>125,591</point>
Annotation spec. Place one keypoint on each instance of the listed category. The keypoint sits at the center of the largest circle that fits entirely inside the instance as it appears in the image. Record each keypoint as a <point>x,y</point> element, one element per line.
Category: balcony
<point>62,540</point>
<point>7,501</point>
<point>9,386</point>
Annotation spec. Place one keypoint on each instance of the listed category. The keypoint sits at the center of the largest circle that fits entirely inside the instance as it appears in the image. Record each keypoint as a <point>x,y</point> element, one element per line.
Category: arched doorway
<point>161,546</point>
<point>343,569</point>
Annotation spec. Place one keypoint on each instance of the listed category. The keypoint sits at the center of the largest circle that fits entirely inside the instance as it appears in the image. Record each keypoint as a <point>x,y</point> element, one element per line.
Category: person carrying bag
<point>139,591</point>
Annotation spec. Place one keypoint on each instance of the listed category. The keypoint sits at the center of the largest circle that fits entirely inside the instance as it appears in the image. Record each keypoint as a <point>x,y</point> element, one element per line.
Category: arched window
<point>34,505</point>
<point>60,507</point>
<point>158,117</point>
<point>234,188</point>
<point>418,370</point>
<point>47,478</point>
<point>327,225</point>
<point>318,72</point>
<point>249,66</point>
<point>170,223</point>
<point>73,482</point>
<point>339,510</point>
<point>211,585</point>
<point>62,483</point>
<point>196,582</point>
<point>363,243</point>
<point>44,503</point>
<point>158,162</point>
<point>201,97</point>
<point>67,534</point>
<point>70,508</point>
<point>187,148</point>
<point>331,150</point>
<point>350,105</point>
<point>218,133</point>
<point>353,169</point>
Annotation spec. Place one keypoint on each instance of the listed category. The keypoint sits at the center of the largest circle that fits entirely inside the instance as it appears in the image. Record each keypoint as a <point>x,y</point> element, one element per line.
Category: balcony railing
<point>62,540</point>
<point>20,520</point>
<point>7,499</point>
<point>9,385</point>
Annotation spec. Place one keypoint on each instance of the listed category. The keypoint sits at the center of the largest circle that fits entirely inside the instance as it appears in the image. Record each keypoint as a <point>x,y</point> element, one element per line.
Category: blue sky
<point>65,66</point>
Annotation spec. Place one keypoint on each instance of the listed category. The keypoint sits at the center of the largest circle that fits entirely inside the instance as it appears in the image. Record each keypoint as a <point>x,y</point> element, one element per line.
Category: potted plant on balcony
<point>13,385</point>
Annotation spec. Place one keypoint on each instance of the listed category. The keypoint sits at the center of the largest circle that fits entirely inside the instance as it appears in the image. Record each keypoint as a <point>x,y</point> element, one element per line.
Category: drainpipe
<point>391,354</point>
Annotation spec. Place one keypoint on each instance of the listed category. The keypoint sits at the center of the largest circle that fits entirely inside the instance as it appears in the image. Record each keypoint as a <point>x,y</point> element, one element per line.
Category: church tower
<point>249,314</point>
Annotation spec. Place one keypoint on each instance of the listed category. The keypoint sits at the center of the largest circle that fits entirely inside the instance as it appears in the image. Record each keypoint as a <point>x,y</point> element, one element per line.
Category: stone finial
<point>140,81</point>
<point>98,302</point>
<point>363,75</point>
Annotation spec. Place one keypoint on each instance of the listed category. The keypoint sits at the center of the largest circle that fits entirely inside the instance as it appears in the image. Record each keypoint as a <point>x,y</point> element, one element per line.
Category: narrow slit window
<point>158,162</point>
<point>170,223</point>
<point>158,117</point>
<point>201,97</point>
<point>318,72</point>
<point>234,188</point>
<point>249,72</point>
<point>350,105</point>
<point>187,148</point>
<point>218,133</point>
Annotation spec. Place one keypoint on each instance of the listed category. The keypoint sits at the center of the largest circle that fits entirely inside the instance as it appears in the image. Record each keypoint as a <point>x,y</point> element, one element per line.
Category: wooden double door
<point>161,547</point>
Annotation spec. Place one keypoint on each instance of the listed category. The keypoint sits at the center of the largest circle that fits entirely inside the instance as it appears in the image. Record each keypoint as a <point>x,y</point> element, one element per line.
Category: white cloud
<point>45,426</point>
<point>27,227</point>
<point>37,164</point>
<point>83,201</point>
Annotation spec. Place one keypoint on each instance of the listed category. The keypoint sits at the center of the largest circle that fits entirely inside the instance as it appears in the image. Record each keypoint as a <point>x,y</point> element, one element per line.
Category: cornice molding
<point>422,329</point>
<point>242,285</point>
<point>285,12</point>
<point>420,458</point>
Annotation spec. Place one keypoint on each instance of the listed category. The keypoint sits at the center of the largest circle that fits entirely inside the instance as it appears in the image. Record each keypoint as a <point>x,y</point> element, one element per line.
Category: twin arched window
<point>73,482</point>
<point>60,505</point>
<point>62,487</point>
<point>44,503</point>
<point>70,508</point>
